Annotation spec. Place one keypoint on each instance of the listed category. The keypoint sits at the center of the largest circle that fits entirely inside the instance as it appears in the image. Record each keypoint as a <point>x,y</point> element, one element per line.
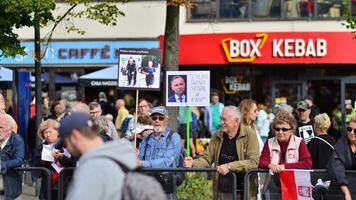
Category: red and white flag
<point>296,185</point>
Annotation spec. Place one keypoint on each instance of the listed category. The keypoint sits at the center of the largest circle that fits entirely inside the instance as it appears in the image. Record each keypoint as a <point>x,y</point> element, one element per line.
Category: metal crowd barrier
<point>262,174</point>
<point>68,172</point>
<point>46,174</point>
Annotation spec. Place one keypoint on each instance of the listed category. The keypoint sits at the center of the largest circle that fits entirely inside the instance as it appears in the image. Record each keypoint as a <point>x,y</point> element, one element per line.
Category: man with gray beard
<point>160,149</point>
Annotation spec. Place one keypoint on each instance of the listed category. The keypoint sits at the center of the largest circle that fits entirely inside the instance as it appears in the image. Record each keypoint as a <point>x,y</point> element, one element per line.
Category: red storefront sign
<point>267,48</point>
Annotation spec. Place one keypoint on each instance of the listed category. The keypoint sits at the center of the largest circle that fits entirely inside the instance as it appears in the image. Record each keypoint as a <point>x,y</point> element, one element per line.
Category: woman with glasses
<point>344,158</point>
<point>285,150</point>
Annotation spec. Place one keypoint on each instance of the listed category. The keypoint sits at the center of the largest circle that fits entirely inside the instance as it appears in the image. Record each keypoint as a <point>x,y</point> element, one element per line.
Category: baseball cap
<point>74,120</point>
<point>302,105</point>
<point>159,110</point>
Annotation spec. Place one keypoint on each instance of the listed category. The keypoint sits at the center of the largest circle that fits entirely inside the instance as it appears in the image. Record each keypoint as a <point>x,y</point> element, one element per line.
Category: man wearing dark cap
<point>305,124</point>
<point>160,149</point>
<point>98,175</point>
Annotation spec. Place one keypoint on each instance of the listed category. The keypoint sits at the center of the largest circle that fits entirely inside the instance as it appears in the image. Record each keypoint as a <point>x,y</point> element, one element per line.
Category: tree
<point>350,20</point>
<point>171,46</point>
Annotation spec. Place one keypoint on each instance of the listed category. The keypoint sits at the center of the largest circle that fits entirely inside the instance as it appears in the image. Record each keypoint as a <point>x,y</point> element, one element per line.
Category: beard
<point>158,129</point>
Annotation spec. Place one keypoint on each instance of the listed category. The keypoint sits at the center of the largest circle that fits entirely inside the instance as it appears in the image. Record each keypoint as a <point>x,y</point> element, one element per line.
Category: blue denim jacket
<point>12,156</point>
<point>158,153</point>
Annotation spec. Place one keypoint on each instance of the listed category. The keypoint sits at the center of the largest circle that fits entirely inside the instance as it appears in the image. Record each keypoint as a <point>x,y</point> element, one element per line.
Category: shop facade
<point>270,65</point>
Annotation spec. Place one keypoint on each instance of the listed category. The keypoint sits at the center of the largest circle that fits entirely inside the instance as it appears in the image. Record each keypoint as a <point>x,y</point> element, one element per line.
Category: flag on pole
<point>296,185</point>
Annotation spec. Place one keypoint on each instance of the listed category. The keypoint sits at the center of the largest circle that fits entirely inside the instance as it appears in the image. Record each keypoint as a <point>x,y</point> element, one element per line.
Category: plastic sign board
<point>139,69</point>
<point>188,88</point>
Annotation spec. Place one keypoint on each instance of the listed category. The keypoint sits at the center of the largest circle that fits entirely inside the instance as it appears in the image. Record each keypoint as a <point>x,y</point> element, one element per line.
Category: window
<point>267,9</point>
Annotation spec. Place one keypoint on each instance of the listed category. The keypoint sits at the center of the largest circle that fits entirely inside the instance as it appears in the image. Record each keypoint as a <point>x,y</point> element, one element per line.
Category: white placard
<point>188,88</point>
<point>47,153</point>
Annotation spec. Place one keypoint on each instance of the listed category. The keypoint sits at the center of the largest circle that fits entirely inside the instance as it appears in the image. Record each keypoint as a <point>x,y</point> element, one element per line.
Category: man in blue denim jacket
<point>155,151</point>
<point>12,156</point>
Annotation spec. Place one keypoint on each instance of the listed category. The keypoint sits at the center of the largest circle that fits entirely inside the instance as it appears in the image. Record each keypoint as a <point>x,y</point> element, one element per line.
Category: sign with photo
<point>139,69</point>
<point>188,88</point>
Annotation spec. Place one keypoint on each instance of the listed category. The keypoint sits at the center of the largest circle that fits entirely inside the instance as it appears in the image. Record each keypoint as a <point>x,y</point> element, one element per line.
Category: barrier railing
<point>45,173</point>
<point>67,172</point>
<point>268,186</point>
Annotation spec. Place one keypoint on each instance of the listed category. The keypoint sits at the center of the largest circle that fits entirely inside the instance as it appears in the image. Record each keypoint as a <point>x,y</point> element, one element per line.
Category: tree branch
<point>54,27</point>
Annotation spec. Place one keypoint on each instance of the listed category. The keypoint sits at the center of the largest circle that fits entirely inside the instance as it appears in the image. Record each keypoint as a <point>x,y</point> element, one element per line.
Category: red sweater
<point>305,161</point>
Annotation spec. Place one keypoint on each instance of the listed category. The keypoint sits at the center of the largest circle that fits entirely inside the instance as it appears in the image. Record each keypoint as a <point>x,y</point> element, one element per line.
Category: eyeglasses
<point>159,118</point>
<point>282,129</point>
<point>351,130</point>
<point>142,106</point>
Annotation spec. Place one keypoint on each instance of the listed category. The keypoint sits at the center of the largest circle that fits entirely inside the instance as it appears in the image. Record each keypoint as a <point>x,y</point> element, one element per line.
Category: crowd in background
<point>276,138</point>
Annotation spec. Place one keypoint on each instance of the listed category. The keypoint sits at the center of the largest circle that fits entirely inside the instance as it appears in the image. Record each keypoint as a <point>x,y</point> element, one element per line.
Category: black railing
<point>322,172</point>
<point>68,171</point>
<point>45,173</point>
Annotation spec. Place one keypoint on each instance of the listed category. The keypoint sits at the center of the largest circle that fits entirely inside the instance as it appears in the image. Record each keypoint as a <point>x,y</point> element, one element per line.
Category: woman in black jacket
<point>47,156</point>
<point>344,158</point>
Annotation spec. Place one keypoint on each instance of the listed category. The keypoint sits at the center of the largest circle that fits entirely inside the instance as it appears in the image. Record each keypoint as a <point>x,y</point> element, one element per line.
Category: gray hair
<point>102,123</point>
<point>12,121</point>
<point>235,110</point>
<point>79,107</point>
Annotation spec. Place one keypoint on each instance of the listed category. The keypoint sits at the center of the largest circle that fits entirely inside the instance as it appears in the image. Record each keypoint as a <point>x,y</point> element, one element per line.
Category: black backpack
<point>139,186</point>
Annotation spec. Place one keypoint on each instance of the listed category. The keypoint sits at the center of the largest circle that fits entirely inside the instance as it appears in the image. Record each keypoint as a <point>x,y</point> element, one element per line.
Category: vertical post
<point>136,117</point>
<point>188,114</point>
<point>38,86</point>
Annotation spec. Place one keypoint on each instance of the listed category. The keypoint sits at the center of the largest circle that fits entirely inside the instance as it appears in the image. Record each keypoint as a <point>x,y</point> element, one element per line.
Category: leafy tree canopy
<point>27,13</point>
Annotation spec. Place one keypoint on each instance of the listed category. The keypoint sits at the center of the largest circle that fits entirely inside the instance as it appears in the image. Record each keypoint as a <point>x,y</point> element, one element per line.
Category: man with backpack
<point>161,149</point>
<point>104,170</point>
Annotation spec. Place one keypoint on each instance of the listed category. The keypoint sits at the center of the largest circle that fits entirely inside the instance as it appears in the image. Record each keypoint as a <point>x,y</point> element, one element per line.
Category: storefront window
<point>266,8</point>
<point>330,8</point>
<point>353,7</point>
<point>233,9</point>
<point>202,9</point>
<point>281,9</point>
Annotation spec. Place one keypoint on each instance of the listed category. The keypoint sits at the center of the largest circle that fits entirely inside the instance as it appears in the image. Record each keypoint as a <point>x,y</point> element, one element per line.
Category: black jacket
<point>342,159</point>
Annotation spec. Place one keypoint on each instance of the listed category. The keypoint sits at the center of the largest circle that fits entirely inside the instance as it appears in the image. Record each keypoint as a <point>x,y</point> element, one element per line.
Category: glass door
<point>288,92</point>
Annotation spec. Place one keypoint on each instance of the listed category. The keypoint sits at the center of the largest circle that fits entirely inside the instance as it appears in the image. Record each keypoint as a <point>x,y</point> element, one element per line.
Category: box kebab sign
<point>267,48</point>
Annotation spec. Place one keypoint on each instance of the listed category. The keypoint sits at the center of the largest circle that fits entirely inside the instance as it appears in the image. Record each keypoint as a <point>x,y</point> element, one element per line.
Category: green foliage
<point>350,20</point>
<point>195,186</point>
<point>27,13</point>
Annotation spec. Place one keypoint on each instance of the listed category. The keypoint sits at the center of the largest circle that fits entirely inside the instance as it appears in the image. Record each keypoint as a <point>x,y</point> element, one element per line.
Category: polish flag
<point>296,185</point>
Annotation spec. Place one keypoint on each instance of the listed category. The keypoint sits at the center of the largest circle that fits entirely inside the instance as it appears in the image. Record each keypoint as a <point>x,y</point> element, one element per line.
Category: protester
<point>249,113</point>
<point>105,105</point>
<point>285,150</point>
<point>103,127</point>
<point>234,149</point>
<point>160,149</point>
<point>57,111</point>
<point>95,111</point>
<point>144,108</point>
<point>98,176</point>
<point>343,158</point>
<point>322,145</point>
<point>12,155</point>
<point>3,111</point>
<point>178,86</point>
<point>49,157</point>
<point>314,110</point>
<point>122,112</point>
<point>305,127</point>
<point>212,114</point>
<point>262,122</point>
<point>182,128</point>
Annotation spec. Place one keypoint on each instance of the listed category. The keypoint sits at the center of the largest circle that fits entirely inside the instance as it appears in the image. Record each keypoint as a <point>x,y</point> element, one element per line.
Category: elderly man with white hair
<point>233,149</point>
<point>12,156</point>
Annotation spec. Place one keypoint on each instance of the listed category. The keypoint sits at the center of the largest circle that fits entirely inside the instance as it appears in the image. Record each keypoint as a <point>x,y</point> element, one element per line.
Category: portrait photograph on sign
<point>188,88</point>
<point>139,69</point>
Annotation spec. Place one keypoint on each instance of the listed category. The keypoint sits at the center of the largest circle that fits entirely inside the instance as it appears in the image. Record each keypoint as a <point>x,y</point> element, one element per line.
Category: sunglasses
<point>282,129</point>
<point>159,118</point>
<point>351,130</point>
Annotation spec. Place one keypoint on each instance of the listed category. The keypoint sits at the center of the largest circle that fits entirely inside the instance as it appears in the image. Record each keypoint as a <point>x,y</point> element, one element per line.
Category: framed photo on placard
<point>139,69</point>
<point>188,88</point>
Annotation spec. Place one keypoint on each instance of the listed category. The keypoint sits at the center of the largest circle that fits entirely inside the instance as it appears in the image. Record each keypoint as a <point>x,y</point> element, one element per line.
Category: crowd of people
<point>98,135</point>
